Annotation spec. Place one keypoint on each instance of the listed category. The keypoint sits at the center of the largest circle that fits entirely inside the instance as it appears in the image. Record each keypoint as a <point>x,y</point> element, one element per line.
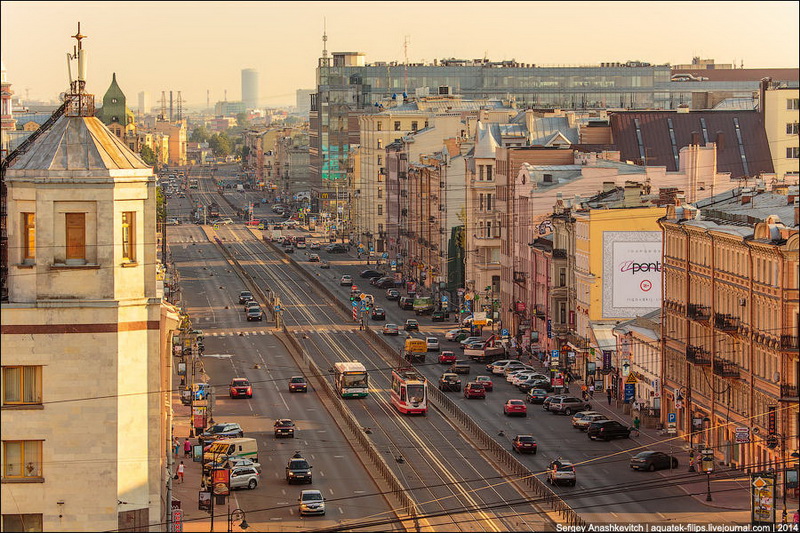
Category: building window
<point>489,202</point>
<point>547,178</point>
<point>113,100</point>
<point>380,127</point>
<point>413,125</point>
<point>488,230</point>
<point>489,172</point>
<point>480,202</point>
<point>28,237</point>
<point>480,172</point>
<point>793,103</point>
<point>426,123</point>
<point>22,459</point>
<point>129,236</point>
<point>22,522</point>
<point>380,160</point>
<point>792,152</point>
<point>380,192</point>
<point>562,313</point>
<point>396,125</point>
<point>380,144</point>
<point>22,385</point>
<point>380,209</point>
<point>562,277</point>
<point>791,129</point>
<point>76,236</point>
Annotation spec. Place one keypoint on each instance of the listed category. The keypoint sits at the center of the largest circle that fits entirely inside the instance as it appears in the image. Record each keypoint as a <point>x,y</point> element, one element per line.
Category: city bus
<point>350,379</point>
<point>409,391</point>
<point>193,183</point>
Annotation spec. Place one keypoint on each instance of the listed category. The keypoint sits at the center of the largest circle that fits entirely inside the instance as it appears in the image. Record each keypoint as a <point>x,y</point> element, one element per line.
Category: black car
<point>460,367</point>
<point>227,430</point>
<point>439,316</point>
<point>449,382</point>
<point>650,461</point>
<point>393,294</point>
<point>607,430</point>
<point>369,274</point>
<point>245,296</point>
<point>336,248</point>
<point>378,313</point>
<point>298,470</point>
<point>288,249</point>
<point>385,282</point>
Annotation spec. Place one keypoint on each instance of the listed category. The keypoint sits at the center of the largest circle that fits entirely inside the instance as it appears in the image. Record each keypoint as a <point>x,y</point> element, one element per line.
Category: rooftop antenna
<point>406,42</point>
<point>324,37</point>
<point>78,53</point>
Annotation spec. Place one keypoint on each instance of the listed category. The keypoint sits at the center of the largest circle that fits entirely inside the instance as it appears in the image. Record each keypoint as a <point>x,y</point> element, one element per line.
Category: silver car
<point>244,477</point>
<point>312,502</point>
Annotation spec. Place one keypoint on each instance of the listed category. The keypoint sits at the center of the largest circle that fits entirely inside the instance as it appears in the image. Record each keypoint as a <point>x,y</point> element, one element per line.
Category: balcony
<point>698,356</point>
<point>701,313</point>
<point>789,393</point>
<point>726,322</point>
<point>726,369</point>
<point>790,342</point>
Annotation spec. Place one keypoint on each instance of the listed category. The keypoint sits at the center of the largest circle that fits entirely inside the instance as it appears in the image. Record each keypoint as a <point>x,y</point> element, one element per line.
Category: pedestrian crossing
<point>262,332</point>
<point>243,333</point>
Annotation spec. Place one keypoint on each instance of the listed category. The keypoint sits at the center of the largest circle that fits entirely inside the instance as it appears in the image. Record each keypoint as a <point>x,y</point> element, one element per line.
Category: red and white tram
<point>409,391</point>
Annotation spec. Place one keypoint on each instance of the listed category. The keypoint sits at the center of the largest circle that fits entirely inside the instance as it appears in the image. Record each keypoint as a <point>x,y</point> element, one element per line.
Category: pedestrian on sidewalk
<point>608,395</point>
<point>591,391</point>
<point>176,445</point>
<point>181,469</point>
<point>636,423</point>
<point>187,448</point>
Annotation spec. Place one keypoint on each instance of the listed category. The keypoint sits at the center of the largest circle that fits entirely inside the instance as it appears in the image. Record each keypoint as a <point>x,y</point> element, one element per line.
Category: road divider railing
<point>248,279</point>
<point>398,492</point>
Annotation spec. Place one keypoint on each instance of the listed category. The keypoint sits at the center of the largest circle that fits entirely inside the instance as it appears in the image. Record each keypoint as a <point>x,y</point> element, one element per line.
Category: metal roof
<point>78,143</point>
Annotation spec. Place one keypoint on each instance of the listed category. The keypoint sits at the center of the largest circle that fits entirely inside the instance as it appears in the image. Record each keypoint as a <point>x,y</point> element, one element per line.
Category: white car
<point>311,502</point>
<point>516,366</point>
<point>517,377</point>
<point>224,221</point>
<point>346,280</point>
<point>244,477</point>
<point>497,366</point>
<point>432,343</point>
<point>173,222</point>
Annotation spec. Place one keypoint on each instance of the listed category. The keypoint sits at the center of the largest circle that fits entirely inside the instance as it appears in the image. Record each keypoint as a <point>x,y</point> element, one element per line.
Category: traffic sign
<point>631,380</point>
<point>672,418</point>
<point>355,313</point>
<point>504,332</point>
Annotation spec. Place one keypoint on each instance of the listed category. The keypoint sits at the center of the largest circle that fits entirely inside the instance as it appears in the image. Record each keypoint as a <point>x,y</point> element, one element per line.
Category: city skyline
<point>145,59</point>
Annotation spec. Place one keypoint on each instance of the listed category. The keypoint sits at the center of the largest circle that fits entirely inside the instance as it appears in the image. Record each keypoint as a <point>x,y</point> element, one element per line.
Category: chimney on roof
<point>680,199</point>
<point>747,196</point>
<point>695,138</point>
<point>720,141</point>
<point>762,94</point>
<point>609,186</point>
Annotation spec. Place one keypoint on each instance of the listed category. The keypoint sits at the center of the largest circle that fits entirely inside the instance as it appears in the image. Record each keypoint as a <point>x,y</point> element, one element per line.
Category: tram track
<point>308,313</point>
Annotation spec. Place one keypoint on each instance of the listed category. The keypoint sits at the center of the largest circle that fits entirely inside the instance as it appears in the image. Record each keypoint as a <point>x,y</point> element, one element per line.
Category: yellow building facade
<point>781,117</point>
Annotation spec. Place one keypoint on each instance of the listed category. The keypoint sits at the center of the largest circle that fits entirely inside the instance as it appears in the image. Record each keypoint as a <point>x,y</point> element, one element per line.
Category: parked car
<point>411,324</point>
<point>314,246</point>
<point>474,390</point>
<point>283,427</point>
<point>651,460</point>
<point>460,367</point>
<point>524,444</point>
<point>173,222</point>
<point>312,502</point>
<point>470,340</point>
<point>245,296</point>
<point>584,418</point>
<point>298,384</point>
<point>568,405</point>
<point>432,343</point>
<point>515,407</point>
<point>240,388</point>
<point>288,249</point>
<point>497,364</point>
<point>392,294</point>
<point>385,283</point>
<point>447,357</point>
<point>487,382</point>
<point>378,313</point>
<point>347,279</point>
<point>391,329</point>
<point>607,430</point>
<point>244,477</point>
<point>224,430</point>
<point>561,472</point>
<point>546,402</point>
<point>336,248</point>
<point>536,395</point>
<point>255,313</point>
<point>369,274</point>
<point>298,470</point>
<point>449,382</point>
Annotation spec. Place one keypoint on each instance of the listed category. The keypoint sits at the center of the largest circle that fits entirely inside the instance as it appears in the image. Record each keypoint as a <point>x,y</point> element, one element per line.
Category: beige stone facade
<point>781,118</point>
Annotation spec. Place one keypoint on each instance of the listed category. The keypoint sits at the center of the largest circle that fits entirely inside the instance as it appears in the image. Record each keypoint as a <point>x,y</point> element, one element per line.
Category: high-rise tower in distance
<point>250,88</point>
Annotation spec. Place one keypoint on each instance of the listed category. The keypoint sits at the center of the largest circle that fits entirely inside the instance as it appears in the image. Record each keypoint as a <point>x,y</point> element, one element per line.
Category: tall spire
<point>324,37</point>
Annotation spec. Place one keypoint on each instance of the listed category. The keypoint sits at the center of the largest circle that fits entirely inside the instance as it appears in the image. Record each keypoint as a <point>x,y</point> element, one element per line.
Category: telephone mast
<point>406,42</point>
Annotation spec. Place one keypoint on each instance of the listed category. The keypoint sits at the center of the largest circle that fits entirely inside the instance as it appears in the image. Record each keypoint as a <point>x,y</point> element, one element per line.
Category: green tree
<point>220,144</point>
<point>199,135</point>
<point>149,156</point>
<point>241,119</point>
<point>161,206</point>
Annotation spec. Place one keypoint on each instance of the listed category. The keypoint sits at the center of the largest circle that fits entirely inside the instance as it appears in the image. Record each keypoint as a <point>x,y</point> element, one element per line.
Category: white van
<point>239,447</point>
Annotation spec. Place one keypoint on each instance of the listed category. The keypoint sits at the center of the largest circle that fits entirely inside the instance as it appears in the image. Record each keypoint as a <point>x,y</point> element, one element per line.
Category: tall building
<point>144,102</point>
<point>82,333</point>
<point>730,325</point>
<point>780,107</point>
<point>250,88</point>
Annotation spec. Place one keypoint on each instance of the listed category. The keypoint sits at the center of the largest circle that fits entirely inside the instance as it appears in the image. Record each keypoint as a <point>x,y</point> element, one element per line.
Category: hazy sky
<point>197,46</point>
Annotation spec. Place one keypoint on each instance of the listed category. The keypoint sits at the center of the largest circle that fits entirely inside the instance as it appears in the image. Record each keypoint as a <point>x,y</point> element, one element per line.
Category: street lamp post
<point>236,515</point>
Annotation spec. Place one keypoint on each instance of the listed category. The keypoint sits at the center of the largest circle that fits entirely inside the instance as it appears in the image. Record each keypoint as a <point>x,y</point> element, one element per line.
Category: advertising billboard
<point>631,273</point>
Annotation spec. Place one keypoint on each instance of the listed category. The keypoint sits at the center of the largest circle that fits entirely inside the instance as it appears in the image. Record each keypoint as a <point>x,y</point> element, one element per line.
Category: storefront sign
<point>606,360</point>
<point>742,435</point>
<point>221,481</point>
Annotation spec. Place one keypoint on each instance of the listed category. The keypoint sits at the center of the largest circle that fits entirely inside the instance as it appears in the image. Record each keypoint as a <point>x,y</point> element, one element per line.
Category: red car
<point>240,388</point>
<point>474,390</point>
<point>298,384</point>
<point>515,407</point>
<point>524,444</point>
<point>486,381</point>
<point>447,358</point>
